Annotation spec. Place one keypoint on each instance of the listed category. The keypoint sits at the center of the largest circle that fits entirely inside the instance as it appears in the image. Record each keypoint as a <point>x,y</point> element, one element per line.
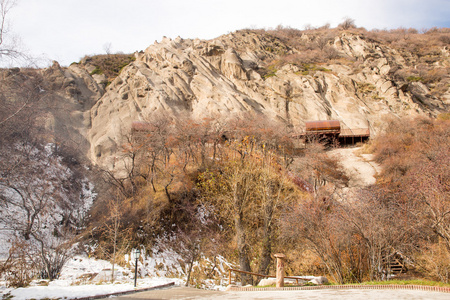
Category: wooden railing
<point>261,275</point>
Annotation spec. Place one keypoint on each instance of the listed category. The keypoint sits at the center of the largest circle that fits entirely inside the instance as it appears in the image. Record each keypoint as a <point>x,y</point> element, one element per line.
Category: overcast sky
<point>66,30</point>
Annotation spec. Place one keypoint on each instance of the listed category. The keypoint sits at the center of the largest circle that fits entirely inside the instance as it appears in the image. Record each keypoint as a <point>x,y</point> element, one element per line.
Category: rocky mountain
<point>245,72</point>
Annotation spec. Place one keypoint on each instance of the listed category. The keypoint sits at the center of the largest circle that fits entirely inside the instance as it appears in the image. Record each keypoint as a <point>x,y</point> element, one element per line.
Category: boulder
<point>267,281</point>
<point>319,280</point>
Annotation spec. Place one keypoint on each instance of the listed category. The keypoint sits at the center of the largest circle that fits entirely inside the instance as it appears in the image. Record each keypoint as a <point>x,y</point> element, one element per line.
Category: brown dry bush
<point>410,40</point>
<point>317,224</point>
<point>407,143</point>
<point>18,269</point>
<point>434,261</point>
<point>311,45</point>
<point>435,75</point>
<point>406,213</point>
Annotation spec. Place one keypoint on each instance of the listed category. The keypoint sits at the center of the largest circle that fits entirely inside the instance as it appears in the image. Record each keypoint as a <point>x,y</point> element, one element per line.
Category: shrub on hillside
<point>109,64</point>
<point>18,270</point>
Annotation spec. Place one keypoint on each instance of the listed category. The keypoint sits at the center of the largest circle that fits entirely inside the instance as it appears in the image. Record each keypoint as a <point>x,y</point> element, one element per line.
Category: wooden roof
<point>324,125</point>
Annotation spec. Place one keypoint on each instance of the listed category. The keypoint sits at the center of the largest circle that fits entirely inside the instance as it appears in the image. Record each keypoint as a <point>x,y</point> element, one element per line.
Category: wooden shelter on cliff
<point>332,130</point>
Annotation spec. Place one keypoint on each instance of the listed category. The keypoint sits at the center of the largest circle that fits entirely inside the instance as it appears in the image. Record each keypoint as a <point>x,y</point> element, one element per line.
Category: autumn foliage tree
<point>248,189</point>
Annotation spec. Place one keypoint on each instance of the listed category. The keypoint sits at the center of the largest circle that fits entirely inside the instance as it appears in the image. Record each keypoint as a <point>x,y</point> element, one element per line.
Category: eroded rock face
<point>223,78</point>
<point>220,77</point>
<point>68,95</point>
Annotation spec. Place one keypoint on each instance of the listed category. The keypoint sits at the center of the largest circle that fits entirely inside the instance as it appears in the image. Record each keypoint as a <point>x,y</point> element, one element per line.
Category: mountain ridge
<point>334,74</point>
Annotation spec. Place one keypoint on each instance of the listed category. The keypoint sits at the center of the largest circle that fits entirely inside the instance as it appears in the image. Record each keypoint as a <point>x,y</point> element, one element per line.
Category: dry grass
<point>408,282</point>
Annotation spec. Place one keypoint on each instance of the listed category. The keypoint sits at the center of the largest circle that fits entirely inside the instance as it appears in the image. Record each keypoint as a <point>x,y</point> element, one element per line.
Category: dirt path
<point>359,167</point>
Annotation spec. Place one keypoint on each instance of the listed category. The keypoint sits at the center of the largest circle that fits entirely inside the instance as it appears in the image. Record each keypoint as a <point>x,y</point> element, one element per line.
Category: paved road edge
<point>348,286</point>
<point>126,292</point>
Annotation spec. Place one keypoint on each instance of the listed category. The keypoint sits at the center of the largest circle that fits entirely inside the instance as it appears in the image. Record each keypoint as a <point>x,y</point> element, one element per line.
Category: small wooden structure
<point>332,130</point>
<point>395,264</point>
<point>350,136</point>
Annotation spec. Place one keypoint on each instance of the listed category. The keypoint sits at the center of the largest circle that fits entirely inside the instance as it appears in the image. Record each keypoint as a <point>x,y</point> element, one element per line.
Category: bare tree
<point>114,233</point>
<point>21,96</point>
<point>9,44</point>
<point>41,193</point>
<point>347,24</point>
<point>41,201</point>
<point>315,222</point>
<point>192,239</point>
<point>231,191</point>
<point>107,47</point>
<point>276,192</point>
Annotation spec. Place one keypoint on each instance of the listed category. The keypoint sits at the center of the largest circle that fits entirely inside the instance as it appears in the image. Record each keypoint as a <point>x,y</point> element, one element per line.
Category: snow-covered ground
<point>64,290</point>
<point>83,276</point>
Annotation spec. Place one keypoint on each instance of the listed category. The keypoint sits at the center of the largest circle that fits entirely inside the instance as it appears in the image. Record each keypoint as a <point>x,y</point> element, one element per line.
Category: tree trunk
<point>193,258</point>
<point>266,249</point>
<point>114,251</point>
<point>243,250</point>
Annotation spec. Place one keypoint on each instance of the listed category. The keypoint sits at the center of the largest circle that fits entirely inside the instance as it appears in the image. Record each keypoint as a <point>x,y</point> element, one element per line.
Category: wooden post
<point>229,277</point>
<point>280,269</point>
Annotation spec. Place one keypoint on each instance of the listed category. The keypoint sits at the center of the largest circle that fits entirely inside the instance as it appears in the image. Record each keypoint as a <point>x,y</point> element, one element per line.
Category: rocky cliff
<point>241,73</point>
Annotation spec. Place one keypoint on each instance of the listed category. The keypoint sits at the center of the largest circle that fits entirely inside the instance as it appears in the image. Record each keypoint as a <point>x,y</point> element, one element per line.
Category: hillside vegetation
<point>268,196</point>
<point>109,65</point>
<point>193,146</point>
<point>244,191</point>
<point>422,51</point>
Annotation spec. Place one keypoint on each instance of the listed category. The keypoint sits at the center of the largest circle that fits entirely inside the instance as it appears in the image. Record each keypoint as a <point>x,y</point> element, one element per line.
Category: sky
<point>67,30</point>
